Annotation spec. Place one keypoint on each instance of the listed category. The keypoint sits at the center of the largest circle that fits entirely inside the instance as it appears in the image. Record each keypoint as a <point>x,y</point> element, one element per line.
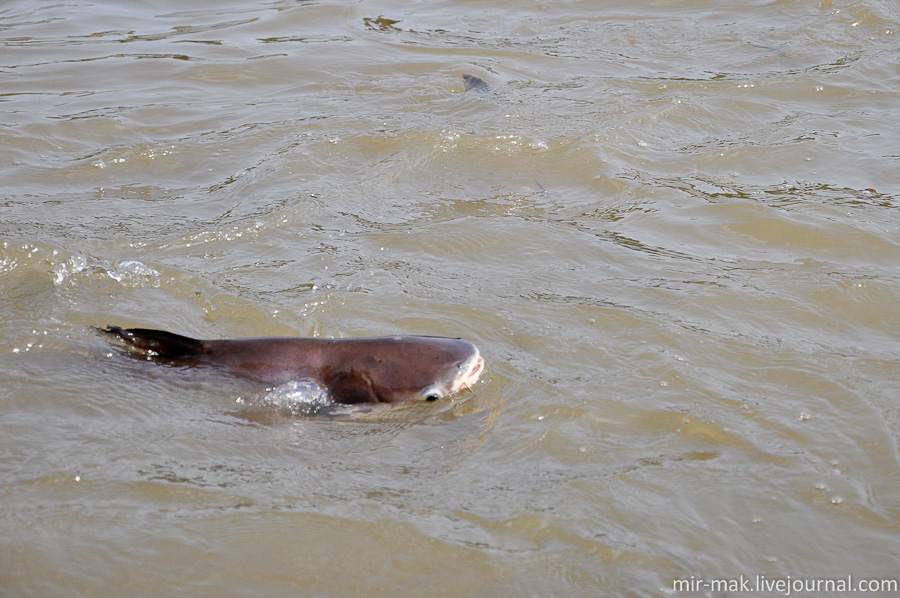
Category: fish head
<point>399,369</point>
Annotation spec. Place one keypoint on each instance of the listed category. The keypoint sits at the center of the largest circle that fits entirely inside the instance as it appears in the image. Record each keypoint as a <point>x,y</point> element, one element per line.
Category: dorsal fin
<point>473,83</point>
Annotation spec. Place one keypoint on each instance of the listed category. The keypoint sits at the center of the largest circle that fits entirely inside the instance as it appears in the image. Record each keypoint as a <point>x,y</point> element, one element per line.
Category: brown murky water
<point>672,230</point>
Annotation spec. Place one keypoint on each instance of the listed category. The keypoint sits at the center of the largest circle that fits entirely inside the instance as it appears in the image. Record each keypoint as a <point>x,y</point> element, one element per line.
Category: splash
<point>131,271</point>
<point>300,397</point>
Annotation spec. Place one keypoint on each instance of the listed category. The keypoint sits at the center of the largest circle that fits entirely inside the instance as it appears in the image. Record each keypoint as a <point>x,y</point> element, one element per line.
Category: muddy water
<point>672,230</point>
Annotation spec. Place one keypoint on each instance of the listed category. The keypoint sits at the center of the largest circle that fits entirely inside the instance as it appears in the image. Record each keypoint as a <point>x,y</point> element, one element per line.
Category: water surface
<point>672,230</point>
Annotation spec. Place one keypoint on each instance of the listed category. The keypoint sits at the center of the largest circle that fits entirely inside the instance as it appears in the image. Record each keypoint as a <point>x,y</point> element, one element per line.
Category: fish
<point>473,83</point>
<point>388,369</point>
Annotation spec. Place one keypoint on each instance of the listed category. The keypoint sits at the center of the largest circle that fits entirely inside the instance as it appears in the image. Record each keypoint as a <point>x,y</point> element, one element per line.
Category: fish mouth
<point>471,371</point>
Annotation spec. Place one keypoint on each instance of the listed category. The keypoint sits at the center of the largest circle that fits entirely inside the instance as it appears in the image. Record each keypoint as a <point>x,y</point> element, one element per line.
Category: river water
<point>672,229</point>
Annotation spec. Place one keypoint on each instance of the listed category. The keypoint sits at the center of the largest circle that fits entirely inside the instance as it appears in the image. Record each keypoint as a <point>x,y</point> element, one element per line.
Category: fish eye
<point>431,393</point>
